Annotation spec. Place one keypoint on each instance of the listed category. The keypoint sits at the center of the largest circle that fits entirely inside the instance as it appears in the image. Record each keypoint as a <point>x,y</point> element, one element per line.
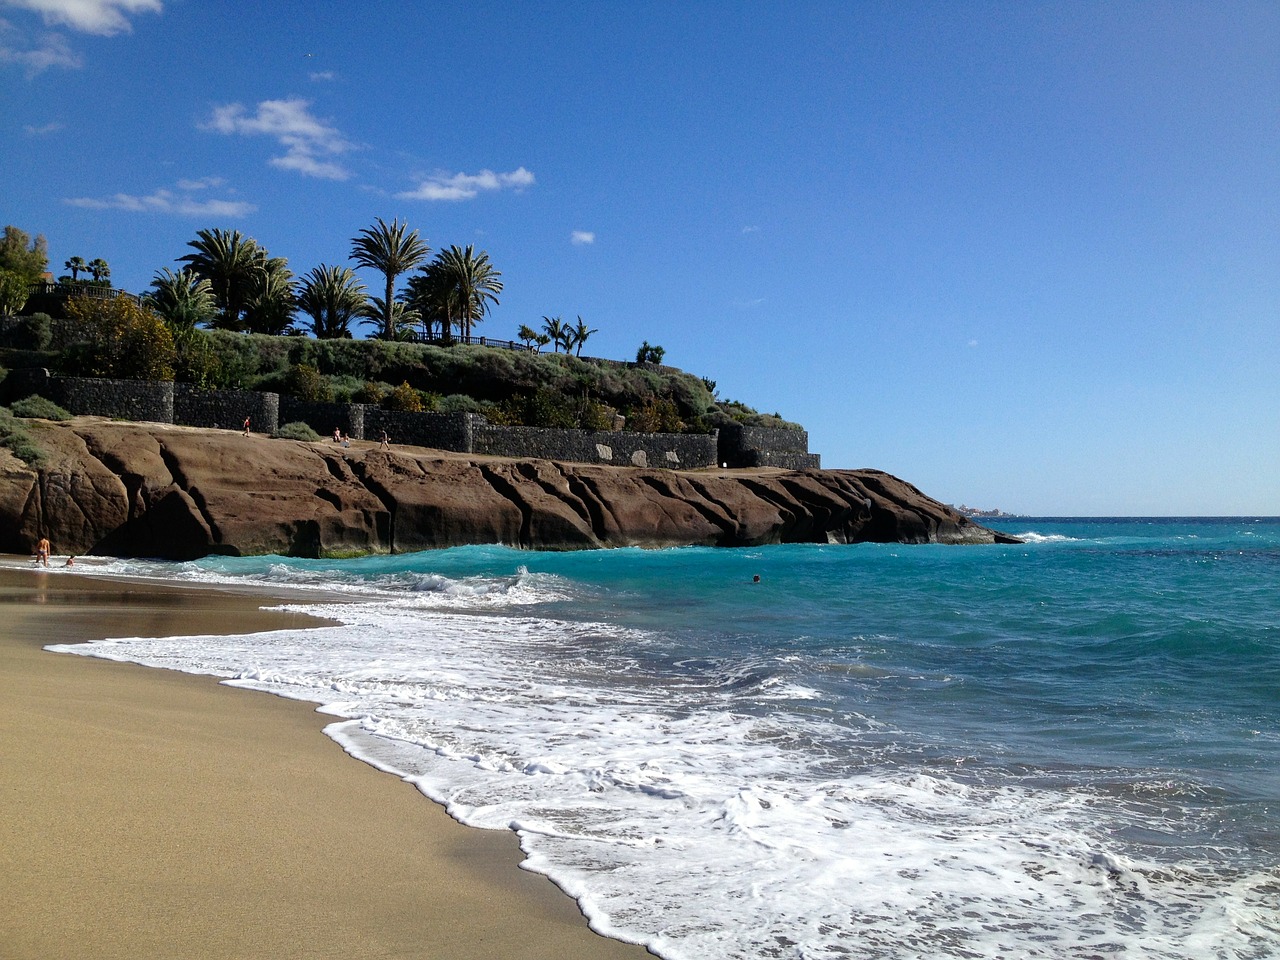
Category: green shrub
<point>460,403</point>
<point>121,339</point>
<point>404,399</point>
<point>307,383</point>
<point>370,392</point>
<point>196,362</point>
<point>14,437</point>
<point>294,431</point>
<point>655,415</point>
<point>595,415</point>
<point>34,332</point>
<point>36,406</point>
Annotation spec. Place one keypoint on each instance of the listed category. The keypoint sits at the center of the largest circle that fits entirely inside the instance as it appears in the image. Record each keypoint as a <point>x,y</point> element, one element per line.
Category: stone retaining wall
<point>742,446</point>
<point>442,431</point>
<point>142,400</point>
<point>225,409</point>
<point>617,448</point>
<point>164,402</point>
<point>324,418</point>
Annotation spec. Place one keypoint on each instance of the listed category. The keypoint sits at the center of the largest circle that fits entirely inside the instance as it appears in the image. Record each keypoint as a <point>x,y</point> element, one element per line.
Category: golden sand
<point>151,814</point>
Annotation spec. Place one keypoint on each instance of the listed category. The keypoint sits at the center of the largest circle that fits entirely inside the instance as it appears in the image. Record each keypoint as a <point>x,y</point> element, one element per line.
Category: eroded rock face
<point>179,493</point>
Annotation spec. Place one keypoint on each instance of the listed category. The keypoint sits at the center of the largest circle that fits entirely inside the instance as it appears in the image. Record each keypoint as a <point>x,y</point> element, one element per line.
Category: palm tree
<point>332,297</point>
<point>555,329</point>
<point>182,298</point>
<point>432,297</point>
<point>580,333</point>
<point>76,265</point>
<point>474,282</point>
<point>99,269</point>
<point>271,302</point>
<point>403,317</point>
<point>229,261</point>
<point>391,251</point>
<point>527,335</point>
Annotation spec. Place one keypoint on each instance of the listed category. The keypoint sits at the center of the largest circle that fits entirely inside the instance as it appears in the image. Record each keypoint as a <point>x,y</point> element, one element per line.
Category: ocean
<point>1067,748</point>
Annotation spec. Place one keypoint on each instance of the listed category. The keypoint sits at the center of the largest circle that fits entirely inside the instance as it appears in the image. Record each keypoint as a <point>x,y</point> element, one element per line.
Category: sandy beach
<point>146,813</point>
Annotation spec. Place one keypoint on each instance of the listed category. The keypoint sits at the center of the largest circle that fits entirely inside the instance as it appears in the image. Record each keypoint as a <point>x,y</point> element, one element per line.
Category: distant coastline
<point>993,514</point>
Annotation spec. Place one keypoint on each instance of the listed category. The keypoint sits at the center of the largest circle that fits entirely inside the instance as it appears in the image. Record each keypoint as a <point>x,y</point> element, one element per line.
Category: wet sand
<point>152,814</point>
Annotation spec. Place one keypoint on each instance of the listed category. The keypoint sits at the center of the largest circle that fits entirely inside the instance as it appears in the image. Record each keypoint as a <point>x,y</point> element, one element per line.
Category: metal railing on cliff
<point>87,288</point>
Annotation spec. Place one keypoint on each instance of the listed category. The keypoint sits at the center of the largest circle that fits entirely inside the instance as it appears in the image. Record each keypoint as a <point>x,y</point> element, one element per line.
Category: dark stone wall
<point>736,445</point>
<point>23,383</point>
<point>324,418</point>
<point>225,409</point>
<point>774,458</point>
<point>621,448</point>
<point>442,431</point>
<point>142,400</point>
<point>742,446</point>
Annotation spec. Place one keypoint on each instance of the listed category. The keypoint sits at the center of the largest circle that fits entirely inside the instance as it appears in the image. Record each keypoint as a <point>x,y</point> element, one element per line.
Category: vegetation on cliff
<point>226,319</point>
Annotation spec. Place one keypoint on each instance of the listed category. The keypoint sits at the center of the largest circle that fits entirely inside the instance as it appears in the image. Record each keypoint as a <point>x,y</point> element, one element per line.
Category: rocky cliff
<point>154,490</point>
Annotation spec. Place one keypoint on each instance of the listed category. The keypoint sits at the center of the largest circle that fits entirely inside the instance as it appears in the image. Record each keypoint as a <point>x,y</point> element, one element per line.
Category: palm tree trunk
<point>388,331</point>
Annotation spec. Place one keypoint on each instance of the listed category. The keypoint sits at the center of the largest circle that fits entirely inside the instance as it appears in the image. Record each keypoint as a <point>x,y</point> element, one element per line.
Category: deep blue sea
<point>1068,748</point>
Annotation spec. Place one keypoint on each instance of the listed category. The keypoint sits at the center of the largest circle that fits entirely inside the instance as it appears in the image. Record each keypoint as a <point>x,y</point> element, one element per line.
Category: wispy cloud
<point>308,141</point>
<point>36,54</point>
<point>751,229</point>
<point>321,76</point>
<point>50,50</point>
<point>582,237</point>
<point>183,203</point>
<point>101,17</point>
<point>464,186</point>
<point>43,130</point>
<point>205,183</point>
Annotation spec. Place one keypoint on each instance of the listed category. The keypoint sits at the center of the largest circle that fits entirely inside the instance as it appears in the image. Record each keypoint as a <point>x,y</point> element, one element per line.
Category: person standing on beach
<point>386,441</point>
<point>246,426</point>
<point>42,551</point>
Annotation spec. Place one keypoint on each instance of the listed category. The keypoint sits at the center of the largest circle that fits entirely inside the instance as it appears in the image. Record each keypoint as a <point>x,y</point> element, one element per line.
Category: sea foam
<point>773,787</point>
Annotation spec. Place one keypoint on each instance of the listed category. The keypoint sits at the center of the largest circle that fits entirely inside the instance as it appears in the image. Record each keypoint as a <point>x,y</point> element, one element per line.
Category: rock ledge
<point>155,490</point>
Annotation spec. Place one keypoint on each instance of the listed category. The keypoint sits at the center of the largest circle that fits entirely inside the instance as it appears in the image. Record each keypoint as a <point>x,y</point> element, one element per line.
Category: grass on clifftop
<point>15,437</point>
<point>510,387</point>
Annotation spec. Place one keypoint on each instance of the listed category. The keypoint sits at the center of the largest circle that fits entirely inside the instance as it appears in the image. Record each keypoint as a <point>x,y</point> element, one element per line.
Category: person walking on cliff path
<point>246,426</point>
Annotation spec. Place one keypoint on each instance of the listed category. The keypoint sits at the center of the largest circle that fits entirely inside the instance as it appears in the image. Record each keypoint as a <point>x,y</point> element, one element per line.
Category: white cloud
<point>464,186</point>
<point>101,17</point>
<point>751,229</point>
<point>202,184</point>
<point>52,51</point>
<point>322,75</point>
<point>163,201</point>
<point>306,139</point>
<point>44,129</point>
<point>581,237</point>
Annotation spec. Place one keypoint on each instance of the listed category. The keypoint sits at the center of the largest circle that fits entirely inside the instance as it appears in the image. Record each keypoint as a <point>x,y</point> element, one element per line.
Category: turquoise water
<point>1066,748</point>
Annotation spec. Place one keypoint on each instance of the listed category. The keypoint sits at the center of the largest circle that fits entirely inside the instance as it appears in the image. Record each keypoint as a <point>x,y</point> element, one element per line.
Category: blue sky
<point>1023,255</point>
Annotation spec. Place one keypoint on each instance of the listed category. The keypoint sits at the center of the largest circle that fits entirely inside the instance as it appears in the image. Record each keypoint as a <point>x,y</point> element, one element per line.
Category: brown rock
<point>179,493</point>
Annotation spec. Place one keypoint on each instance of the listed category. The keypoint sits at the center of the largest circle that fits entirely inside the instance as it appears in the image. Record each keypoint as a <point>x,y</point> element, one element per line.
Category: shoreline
<point>151,813</point>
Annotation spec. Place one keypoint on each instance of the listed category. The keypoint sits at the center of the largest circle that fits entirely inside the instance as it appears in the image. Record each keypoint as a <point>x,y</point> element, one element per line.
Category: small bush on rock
<point>36,406</point>
<point>295,431</point>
